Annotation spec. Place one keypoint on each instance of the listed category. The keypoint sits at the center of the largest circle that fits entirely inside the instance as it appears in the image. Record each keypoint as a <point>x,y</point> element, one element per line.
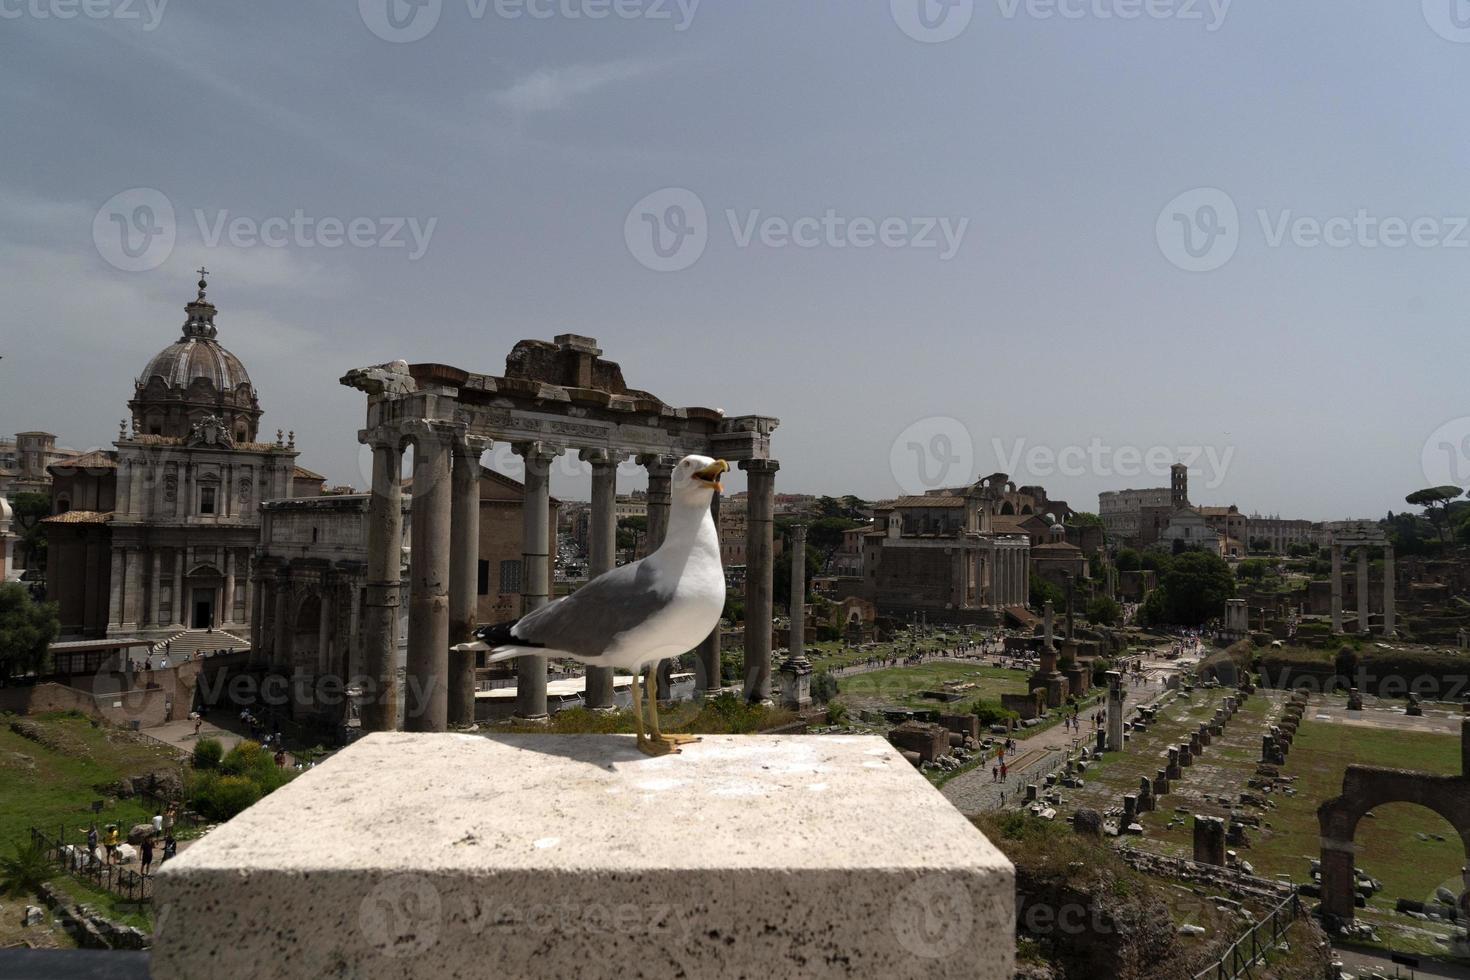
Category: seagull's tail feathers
<point>503,643</point>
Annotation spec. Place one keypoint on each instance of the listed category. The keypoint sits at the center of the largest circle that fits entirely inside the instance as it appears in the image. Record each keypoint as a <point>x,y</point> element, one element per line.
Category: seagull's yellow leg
<point>673,741</point>
<point>648,746</point>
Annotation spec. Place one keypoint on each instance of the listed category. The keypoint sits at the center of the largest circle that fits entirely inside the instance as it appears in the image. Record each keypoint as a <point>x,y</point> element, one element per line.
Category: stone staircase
<point>190,642</point>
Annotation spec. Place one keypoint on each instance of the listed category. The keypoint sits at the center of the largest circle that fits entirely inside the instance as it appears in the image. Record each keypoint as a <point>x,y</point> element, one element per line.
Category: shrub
<point>1104,611</point>
<point>836,713</point>
<point>991,713</point>
<point>1100,668</point>
<point>222,797</point>
<point>824,687</point>
<point>24,871</point>
<point>207,753</point>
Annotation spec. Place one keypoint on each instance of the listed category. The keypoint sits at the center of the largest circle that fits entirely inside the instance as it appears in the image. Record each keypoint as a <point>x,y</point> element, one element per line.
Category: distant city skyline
<point>1019,240</point>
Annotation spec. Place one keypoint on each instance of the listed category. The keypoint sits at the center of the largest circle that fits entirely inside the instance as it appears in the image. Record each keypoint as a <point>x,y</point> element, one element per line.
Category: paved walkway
<point>974,792</point>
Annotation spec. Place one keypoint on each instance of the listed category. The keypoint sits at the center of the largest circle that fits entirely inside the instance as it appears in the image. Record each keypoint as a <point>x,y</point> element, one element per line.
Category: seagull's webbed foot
<point>656,746</point>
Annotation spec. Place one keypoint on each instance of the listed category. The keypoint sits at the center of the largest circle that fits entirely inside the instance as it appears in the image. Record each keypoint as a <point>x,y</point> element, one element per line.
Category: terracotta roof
<point>916,502</point>
<point>79,517</point>
<point>99,459</point>
<point>1058,546</point>
<point>302,473</point>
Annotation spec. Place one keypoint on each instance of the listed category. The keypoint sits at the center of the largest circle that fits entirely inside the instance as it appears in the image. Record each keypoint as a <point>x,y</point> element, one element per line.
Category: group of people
<point>111,840</point>
<point>1000,772</point>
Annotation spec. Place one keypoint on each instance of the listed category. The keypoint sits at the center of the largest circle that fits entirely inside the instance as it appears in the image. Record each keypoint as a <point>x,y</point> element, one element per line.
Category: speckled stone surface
<point>455,856</point>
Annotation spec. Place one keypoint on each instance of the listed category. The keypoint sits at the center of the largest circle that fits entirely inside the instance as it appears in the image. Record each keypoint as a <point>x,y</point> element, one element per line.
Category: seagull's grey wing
<point>587,622</point>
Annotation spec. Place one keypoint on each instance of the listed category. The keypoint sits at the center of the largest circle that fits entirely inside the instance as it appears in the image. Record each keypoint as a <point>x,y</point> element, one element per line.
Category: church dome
<point>194,379</point>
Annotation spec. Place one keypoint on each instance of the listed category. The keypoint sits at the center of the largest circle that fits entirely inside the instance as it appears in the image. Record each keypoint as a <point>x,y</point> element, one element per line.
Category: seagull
<point>634,617</point>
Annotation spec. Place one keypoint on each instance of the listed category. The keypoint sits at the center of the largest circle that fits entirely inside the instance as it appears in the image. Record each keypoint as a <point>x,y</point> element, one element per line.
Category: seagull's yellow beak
<point>710,475</point>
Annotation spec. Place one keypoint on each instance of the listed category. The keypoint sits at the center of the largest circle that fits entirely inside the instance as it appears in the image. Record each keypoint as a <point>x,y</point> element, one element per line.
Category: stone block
<point>439,856</point>
<point>930,741</point>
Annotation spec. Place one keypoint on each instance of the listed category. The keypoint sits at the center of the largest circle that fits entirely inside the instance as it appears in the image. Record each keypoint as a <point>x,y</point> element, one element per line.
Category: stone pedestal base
<point>442,856</point>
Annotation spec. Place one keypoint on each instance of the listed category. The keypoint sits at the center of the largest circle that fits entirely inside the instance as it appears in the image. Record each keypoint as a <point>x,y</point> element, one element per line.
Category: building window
<point>206,500</point>
<point>510,577</point>
<point>483,588</point>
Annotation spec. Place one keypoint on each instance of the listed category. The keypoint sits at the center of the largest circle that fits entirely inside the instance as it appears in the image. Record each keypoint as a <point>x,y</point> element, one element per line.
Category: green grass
<point>900,686</point>
<point>53,788</point>
<point>724,715</point>
<point>1388,845</point>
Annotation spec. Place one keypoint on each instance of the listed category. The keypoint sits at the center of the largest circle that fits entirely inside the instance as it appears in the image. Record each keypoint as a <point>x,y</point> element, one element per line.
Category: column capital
<point>427,432</point>
<point>759,465</point>
<point>608,458</point>
<point>543,452</point>
<point>658,464</point>
<point>471,446</point>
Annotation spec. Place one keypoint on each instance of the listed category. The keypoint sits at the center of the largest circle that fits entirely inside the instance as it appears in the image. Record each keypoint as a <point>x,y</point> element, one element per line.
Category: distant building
<point>1280,533</point>
<point>157,536</point>
<point>25,462</point>
<point>1135,518</point>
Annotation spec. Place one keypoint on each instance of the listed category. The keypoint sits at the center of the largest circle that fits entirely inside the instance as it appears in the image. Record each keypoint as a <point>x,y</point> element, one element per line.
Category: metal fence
<point>1253,947</point>
<point>80,863</point>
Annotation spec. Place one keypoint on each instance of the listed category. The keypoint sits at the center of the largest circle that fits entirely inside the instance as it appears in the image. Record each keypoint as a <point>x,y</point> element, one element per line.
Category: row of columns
<point>132,604</point>
<point>443,571</point>
<point>1389,610</point>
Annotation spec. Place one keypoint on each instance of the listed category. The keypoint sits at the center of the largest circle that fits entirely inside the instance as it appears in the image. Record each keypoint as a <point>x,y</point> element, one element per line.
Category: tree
<point>29,509</point>
<point>27,628</point>
<point>1043,590</point>
<point>1103,611</point>
<point>631,530</point>
<point>1193,590</point>
<point>1128,560</point>
<point>1254,568</point>
<point>1436,501</point>
<point>825,534</point>
<point>1260,546</point>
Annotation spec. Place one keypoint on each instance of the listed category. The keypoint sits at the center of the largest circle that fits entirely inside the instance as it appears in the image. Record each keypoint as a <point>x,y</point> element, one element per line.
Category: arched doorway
<point>202,588</point>
<point>1366,788</point>
<point>306,634</point>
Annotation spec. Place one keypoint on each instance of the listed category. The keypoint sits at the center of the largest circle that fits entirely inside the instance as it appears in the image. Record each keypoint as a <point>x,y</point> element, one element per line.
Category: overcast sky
<point>1063,238</point>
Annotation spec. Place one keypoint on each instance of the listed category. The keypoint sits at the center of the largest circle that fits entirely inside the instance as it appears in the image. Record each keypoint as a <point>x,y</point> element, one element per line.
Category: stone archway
<point>1367,787</point>
<point>306,653</point>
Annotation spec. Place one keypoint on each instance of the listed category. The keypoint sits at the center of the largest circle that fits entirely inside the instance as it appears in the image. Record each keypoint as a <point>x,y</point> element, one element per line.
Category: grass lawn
<point>1388,845</point>
<point>900,686</point>
<point>53,786</point>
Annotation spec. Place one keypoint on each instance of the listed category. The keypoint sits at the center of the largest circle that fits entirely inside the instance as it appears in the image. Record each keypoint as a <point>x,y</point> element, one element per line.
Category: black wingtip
<point>499,635</point>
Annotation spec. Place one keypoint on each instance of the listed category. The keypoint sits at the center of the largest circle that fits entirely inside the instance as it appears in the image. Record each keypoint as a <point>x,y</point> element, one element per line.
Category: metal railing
<point>81,864</point>
<point>1254,946</point>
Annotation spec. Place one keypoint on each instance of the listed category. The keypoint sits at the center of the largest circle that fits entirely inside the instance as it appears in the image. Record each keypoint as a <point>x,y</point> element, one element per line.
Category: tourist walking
<point>147,854</point>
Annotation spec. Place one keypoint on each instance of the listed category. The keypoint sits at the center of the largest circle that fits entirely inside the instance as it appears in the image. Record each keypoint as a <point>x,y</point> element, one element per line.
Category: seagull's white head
<point>696,477</point>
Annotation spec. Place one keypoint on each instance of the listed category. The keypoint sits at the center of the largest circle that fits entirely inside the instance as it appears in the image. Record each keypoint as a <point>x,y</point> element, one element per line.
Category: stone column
<point>249,576</point>
<point>660,476</point>
<point>760,504</point>
<point>602,555</point>
<point>180,616</point>
<point>709,676</point>
<point>1389,612</point>
<point>115,588</point>
<point>464,575</point>
<point>797,644</point>
<point>426,680</point>
<point>155,615</point>
<point>133,588</point>
<point>1362,590</point>
<point>535,570</point>
<point>227,615</point>
<point>281,652</point>
<point>1336,588</point>
<point>385,558</point>
<point>1116,700</point>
